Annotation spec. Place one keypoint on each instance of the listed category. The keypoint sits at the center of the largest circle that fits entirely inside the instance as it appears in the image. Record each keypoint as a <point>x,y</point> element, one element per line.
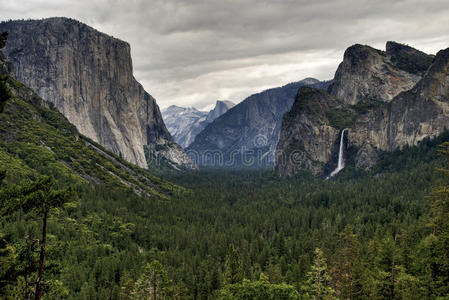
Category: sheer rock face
<point>88,76</point>
<point>409,118</point>
<point>307,138</point>
<point>247,134</point>
<point>221,107</point>
<point>410,115</point>
<point>370,74</point>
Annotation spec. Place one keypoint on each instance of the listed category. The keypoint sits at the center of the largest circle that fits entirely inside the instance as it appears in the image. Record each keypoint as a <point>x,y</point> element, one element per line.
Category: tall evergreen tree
<point>41,197</point>
<point>233,267</point>
<point>346,265</point>
<point>153,284</point>
<point>435,246</point>
<point>318,284</point>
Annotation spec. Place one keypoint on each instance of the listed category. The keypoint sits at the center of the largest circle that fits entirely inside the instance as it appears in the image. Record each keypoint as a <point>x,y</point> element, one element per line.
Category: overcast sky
<point>193,52</point>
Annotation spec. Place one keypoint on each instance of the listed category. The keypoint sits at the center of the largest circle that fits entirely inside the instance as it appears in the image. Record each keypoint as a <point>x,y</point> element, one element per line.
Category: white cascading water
<point>341,159</point>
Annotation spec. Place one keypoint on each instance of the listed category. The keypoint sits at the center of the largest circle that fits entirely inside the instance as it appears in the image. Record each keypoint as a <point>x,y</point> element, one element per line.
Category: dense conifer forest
<point>234,234</point>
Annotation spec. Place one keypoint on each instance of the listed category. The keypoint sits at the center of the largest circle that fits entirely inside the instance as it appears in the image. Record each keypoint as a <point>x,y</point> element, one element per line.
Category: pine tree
<point>233,267</point>
<point>40,197</point>
<point>153,284</point>
<point>346,265</point>
<point>435,247</point>
<point>318,283</point>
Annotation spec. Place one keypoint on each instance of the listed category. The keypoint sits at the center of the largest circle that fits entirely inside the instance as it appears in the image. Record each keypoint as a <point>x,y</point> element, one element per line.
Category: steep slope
<point>36,139</point>
<point>375,124</point>
<point>307,136</point>
<point>88,76</point>
<point>246,136</point>
<point>369,74</point>
<point>409,118</point>
<point>185,123</point>
<point>221,107</point>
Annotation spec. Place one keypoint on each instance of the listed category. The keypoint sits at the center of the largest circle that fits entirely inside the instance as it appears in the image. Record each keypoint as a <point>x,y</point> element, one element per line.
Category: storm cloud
<point>193,52</point>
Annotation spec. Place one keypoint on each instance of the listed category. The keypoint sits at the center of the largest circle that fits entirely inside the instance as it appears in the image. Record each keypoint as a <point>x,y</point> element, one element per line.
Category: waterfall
<point>341,159</point>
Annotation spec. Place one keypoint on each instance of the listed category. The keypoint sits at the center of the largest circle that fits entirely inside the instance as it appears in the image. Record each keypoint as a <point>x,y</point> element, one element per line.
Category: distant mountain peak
<point>247,134</point>
<point>221,107</point>
<point>184,123</point>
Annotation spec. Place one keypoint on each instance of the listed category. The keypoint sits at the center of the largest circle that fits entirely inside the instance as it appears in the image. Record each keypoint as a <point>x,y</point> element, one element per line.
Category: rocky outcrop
<point>246,136</point>
<point>377,117</point>
<point>409,118</point>
<point>221,107</point>
<point>368,74</point>
<point>185,123</point>
<point>307,136</point>
<point>88,76</point>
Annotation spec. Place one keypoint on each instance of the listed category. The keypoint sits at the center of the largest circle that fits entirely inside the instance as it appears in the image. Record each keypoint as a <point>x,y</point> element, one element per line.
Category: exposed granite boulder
<point>88,76</point>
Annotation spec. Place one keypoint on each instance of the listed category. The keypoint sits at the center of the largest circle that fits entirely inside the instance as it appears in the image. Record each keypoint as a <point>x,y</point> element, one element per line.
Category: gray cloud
<point>192,52</point>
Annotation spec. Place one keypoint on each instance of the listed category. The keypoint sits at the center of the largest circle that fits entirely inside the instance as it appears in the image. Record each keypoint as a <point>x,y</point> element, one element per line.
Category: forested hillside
<point>226,235</point>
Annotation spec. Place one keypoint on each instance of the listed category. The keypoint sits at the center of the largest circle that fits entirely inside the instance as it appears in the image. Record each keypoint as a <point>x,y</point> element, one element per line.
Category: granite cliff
<point>370,74</point>
<point>385,100</point>
<point>410,117</point>
<point>307,136</point>
<point>88,76</point>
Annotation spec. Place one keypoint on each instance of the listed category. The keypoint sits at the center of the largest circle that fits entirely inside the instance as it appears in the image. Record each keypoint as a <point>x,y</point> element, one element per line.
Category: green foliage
<point>258,290</point>
<point>153,283</point>
<point>366,105</point>
<point>340,118</point>
<point>435,247</point>
<point>370,226</point>
<point>409,59</point>
<point>5,93</point>
<point>234,269</point>
<point>318,282</point>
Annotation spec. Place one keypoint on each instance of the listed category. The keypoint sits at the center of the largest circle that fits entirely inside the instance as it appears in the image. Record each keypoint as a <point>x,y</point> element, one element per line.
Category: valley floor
<point>236,233</point>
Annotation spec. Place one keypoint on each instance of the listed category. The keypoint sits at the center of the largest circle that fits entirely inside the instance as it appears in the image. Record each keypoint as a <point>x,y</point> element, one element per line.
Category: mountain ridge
<point>246,135</point>
<point>376,119</point>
